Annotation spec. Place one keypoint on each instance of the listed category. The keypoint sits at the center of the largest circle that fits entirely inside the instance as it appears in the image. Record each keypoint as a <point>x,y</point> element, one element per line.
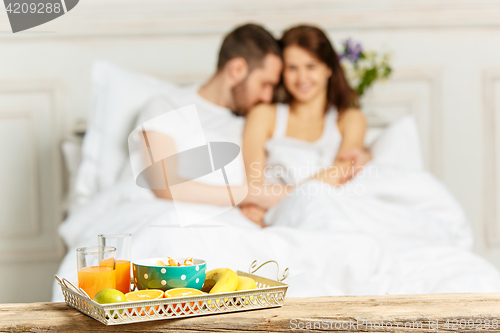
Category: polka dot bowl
<point>149,276</point>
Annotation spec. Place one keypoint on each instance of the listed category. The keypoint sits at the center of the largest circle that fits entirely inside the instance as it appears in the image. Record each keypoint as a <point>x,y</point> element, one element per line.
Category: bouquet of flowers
<point>363,68</point>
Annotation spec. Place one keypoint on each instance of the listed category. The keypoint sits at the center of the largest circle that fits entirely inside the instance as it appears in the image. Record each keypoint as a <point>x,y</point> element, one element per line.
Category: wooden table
<point>407,313</point>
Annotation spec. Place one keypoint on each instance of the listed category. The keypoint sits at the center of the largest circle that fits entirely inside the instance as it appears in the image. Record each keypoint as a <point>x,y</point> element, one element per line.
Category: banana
<point>223,280</point>
<point>245,283</point>
<point>220,280</point>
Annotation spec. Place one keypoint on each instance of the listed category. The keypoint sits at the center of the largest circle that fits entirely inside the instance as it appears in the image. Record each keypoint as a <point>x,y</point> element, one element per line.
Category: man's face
<point>258,86</point>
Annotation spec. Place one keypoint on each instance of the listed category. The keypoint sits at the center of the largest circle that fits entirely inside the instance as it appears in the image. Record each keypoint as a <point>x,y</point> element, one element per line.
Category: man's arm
<point>194,191</point>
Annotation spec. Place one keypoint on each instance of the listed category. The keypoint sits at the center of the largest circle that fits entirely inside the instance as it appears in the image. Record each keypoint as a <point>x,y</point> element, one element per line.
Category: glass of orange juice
<point>96,268</point>
<point>123,244</point>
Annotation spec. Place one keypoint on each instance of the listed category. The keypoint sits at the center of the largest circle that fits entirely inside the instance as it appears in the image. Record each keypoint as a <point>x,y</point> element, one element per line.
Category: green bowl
<point>149,276</point>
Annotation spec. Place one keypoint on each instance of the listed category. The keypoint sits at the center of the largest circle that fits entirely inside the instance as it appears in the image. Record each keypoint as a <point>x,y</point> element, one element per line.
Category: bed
<point>409,236</point>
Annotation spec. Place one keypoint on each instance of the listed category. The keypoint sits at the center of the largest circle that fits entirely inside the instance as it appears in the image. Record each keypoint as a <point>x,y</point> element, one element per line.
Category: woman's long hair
<point>314,40</point>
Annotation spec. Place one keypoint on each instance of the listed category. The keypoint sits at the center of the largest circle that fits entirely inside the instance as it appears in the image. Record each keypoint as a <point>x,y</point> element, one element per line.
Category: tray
<point>269,294</point>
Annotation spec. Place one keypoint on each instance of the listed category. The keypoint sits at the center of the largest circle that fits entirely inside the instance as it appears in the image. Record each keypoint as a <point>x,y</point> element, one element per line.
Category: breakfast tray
<point>269,294</point>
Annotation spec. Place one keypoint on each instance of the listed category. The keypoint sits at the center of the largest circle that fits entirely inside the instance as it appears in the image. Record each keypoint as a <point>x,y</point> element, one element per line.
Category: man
<point>248,68</point>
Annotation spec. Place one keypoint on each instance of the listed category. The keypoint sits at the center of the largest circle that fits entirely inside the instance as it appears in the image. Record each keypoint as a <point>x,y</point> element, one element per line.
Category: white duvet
<point>403,234</point>
<point>400,233</point>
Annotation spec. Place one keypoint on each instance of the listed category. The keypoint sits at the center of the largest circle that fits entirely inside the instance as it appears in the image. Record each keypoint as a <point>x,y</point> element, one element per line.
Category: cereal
<point>171,262</point>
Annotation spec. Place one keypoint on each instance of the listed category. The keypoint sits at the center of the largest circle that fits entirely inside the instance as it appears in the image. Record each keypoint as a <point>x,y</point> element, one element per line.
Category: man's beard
<point>240,98</point>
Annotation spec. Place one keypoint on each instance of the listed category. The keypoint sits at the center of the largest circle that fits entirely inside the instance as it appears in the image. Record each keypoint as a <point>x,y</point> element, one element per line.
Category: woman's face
<point>304,76</point>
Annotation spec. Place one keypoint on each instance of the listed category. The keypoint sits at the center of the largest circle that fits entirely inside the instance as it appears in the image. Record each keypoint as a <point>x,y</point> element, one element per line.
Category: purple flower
<point>352,50</point>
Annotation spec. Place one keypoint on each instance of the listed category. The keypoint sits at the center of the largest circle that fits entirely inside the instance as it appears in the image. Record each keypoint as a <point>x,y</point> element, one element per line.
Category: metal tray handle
<point>70,285</point>
<point>252,269</point>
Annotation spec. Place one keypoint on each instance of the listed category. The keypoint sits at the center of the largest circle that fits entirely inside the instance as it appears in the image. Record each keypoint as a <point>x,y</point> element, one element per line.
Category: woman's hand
<point>358,157</point>
<point>254,213</point>
<point>351,155</point>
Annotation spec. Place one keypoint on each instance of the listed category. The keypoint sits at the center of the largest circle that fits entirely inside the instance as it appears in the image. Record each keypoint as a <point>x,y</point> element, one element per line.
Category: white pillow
<point>117,97</point>
<point>399,145</point>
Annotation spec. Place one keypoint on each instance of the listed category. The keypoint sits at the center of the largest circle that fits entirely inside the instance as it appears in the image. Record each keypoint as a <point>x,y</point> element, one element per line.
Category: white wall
<point>447,72</point>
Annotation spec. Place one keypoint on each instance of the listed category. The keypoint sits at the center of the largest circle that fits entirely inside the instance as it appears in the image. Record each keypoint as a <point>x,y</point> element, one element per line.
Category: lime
<point>107,296</point>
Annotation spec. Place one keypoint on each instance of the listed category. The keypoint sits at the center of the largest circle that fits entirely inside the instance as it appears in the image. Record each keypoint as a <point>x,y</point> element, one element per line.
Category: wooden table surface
<point>404,313</point>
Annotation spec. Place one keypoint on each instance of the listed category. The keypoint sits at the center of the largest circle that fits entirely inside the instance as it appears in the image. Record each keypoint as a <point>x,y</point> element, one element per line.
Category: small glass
<point>96,268</point>
<point>123,245</point>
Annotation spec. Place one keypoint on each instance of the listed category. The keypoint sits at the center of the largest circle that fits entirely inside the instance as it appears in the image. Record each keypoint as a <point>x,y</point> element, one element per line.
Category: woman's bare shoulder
<point>263,111</point>
<point>261,119</point>
<point>351,117</point>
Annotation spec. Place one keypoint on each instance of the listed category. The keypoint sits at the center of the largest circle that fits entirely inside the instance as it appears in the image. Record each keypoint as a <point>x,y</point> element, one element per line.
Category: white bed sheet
<point>320,263</point>
<point>405,234</point>
<point>419,226</point>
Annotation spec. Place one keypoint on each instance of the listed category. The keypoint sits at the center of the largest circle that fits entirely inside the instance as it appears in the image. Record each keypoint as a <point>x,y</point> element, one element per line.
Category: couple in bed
<point>303,137</point>
<point>315,128</point>
<point>402,234</point>
<point>298,149</point>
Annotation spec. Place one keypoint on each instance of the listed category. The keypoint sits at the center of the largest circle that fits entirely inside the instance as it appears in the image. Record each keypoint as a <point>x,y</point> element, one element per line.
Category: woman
<point>417,223</point>
<point>304,137</point>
